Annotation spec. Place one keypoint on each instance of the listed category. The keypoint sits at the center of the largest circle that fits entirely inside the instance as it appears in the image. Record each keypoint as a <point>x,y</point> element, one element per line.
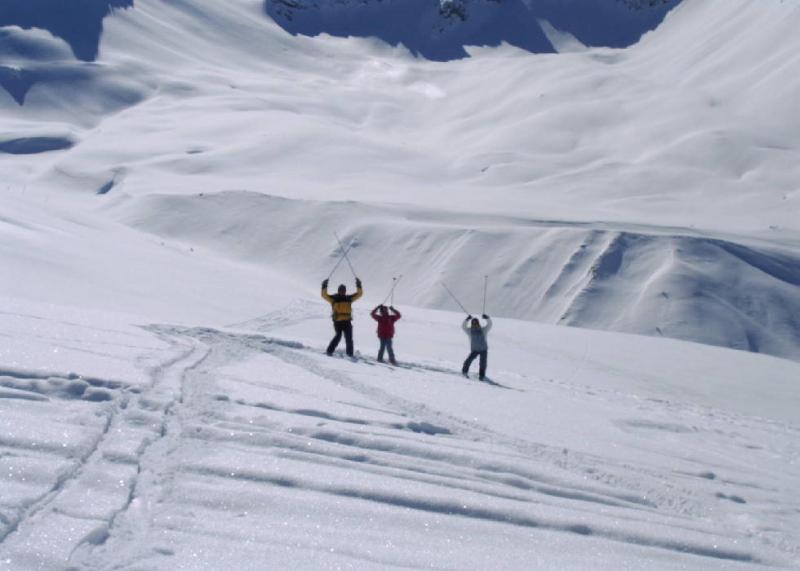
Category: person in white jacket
<point>479,346</point>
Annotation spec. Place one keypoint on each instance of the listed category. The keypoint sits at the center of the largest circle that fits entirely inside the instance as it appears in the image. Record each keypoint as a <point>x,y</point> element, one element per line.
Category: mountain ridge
<point>441,29</point>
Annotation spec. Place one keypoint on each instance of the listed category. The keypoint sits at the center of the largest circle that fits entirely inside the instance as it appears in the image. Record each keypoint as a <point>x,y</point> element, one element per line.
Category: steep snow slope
<point>678,159</point>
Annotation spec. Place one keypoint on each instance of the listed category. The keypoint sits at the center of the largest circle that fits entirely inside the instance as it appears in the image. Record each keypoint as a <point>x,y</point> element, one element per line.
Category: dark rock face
<point>610,23</point>
<point>439,29</point>
<point>78,22</point>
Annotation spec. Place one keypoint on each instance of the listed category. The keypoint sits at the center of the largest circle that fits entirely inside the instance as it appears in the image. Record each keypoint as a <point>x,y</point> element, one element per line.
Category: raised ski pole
<point>444,285</point>
<point>341,257</point>
<point>485,286</point>
<point>395,281</point>
<point>346,257</point>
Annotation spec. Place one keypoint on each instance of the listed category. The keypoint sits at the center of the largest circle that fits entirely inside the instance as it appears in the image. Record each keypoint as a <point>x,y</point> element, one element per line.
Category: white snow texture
<point>173,174</point>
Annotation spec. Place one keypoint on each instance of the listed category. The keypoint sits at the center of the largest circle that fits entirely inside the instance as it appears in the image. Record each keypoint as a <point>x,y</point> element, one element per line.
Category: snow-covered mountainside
<point>651,190</point>
<point>172,177</point>
<point>440,29</point>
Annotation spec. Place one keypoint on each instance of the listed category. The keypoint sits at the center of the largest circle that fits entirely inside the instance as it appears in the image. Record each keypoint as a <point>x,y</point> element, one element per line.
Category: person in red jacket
<point>386,330</point>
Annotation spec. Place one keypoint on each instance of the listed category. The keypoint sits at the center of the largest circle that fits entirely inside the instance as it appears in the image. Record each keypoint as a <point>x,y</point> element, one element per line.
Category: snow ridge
<point>668,282</point>
<point>80,24</point>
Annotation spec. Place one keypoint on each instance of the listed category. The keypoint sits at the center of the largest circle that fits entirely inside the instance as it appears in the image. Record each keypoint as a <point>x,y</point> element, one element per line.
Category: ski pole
<point>485,286</point>
<point>341,257</point>
<point>388,295</point>
<point>346,257</point>
<point>395,281</point>
<point>444,285</point>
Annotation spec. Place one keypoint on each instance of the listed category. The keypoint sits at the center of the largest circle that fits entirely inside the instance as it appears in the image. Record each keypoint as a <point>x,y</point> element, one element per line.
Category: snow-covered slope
<point>210,447</point>
<point>624,277</point>
<point>650,190</point>
<point>167,212</point>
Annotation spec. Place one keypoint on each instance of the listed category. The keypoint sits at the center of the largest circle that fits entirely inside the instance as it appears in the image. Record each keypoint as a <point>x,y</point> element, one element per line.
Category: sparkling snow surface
<point>167,214</point>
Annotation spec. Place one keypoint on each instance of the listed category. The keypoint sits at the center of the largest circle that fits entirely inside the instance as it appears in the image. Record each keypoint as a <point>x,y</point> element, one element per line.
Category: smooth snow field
<point>171,178</point>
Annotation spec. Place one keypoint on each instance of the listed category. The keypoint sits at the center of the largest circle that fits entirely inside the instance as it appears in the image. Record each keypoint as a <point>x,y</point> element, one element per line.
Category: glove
<point>391,307</point>
<point>358,282</point>
<point>485,316</point>
<point>468,318</point>
<point>324,284</point>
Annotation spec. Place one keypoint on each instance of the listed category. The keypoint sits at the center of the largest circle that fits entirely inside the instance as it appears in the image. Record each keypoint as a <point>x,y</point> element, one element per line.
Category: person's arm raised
<point>359,291</point>
<point>325,295</point>
<point>465,325</point>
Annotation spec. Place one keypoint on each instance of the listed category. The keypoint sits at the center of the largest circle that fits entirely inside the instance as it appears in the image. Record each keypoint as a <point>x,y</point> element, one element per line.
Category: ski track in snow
<point>100,478</point>
<point>159,454</point>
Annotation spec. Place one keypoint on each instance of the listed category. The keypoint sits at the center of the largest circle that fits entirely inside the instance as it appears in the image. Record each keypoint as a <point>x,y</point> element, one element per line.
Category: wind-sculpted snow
<point>648,190</point>
<point>668,282</point>
<point>32,59</point>
<point>78,22</point>
<point>440,29</point>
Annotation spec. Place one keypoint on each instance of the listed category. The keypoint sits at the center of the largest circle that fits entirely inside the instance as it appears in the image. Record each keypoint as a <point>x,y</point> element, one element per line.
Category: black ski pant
<point>484,355</point>
<point>346,328</point>
<point>386,345</point>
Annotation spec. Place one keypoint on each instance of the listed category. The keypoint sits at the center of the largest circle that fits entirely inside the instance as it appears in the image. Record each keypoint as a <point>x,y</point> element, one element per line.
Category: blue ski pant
<point>386,345</point>
<point>342,328</point>
<point>484,356</point>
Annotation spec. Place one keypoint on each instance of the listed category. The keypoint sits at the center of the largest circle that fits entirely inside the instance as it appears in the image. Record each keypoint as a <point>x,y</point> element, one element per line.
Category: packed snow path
<point>248,450</point>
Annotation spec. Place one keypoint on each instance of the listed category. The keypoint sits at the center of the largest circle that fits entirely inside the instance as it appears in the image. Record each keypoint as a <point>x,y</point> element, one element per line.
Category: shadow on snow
<point>77,22</point>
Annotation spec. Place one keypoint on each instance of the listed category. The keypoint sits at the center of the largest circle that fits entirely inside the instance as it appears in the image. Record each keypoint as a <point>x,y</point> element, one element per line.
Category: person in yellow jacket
<point>342,315</point>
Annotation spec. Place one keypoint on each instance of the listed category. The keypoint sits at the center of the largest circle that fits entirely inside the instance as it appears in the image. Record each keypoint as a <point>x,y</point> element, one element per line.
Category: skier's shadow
<point>500,386</point>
